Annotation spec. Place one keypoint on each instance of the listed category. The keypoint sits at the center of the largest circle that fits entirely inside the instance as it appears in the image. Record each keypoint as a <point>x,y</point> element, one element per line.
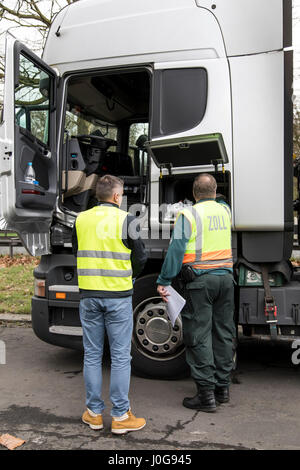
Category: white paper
<point>175,304</point>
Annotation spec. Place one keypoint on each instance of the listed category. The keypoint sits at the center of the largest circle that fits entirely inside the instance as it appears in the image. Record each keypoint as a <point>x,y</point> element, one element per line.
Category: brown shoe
<point>127,423</point>
<point>94,422</point>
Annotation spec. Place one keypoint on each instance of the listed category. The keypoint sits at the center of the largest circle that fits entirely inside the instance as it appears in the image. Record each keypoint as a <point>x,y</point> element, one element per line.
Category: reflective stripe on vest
<point>209,246</point>
<point>103,261</point>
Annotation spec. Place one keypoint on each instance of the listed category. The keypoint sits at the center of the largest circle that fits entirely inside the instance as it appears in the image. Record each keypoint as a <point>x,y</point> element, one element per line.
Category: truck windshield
<point>79,123</point>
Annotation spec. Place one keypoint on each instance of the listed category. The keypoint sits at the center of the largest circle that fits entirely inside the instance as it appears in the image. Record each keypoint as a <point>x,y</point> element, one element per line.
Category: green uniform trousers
<point>208,329</point>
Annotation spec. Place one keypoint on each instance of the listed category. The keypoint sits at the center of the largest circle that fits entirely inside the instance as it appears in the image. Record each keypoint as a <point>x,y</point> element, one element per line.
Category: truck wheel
<point>157,347</point>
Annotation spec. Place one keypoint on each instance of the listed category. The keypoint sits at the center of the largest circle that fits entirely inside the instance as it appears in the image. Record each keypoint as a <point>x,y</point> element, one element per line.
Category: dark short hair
<point>204,186</point>
<point>106,186</point>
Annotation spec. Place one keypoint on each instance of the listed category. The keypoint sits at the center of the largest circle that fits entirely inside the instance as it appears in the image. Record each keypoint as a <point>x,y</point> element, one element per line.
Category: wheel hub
<point>154,332</point>
<point>158,330</point>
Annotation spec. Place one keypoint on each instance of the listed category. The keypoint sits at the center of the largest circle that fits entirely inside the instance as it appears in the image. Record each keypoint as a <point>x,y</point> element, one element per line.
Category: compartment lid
<point>208,149</point>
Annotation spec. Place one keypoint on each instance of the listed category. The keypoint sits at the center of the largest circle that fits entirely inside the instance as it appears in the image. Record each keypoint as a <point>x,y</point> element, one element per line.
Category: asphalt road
<point>42,399</point>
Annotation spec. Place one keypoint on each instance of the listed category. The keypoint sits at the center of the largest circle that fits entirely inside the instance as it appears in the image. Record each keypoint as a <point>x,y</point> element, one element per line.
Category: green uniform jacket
<point>173,260</point>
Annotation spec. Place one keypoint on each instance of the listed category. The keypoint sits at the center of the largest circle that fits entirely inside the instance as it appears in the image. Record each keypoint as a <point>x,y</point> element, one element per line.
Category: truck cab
<point>154,93</point>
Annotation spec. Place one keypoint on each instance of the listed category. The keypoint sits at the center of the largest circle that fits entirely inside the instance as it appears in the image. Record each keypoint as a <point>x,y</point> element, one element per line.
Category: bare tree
<point>36,16</point>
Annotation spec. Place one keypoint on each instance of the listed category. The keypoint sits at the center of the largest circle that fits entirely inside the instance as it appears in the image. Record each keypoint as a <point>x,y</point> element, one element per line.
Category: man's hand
<point>163,293</point>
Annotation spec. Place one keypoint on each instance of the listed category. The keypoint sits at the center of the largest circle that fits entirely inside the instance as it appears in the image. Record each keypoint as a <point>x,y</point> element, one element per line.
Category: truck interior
<point>106,122</point>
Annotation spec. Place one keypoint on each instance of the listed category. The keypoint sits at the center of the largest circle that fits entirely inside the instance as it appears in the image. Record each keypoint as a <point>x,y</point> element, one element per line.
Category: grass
<point>16,283</point>
<point>8,234</point>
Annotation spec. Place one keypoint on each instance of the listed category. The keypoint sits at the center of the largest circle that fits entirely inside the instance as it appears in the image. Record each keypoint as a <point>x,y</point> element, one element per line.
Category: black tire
<point>143,364</point>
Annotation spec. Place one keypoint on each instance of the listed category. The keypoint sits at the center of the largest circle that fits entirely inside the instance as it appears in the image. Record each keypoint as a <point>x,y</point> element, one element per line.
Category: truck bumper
<point>48,328</point>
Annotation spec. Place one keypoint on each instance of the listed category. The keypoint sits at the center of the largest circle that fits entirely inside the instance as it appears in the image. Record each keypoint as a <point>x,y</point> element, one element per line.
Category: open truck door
<point>28,135</point>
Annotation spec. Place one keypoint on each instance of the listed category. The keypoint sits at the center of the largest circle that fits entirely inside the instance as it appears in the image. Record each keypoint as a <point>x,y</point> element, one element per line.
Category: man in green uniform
<point>201,249</point>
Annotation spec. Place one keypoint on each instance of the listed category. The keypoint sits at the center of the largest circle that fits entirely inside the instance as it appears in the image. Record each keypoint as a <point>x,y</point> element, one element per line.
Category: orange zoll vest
<point>209,246</point>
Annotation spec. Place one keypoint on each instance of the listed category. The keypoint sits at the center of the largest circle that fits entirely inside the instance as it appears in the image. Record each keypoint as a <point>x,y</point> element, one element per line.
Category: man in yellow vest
<point>200,249</point>
<point>108,256</point>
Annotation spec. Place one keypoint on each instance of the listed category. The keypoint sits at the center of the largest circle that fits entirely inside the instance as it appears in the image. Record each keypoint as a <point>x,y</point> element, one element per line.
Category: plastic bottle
<point>29,173</point>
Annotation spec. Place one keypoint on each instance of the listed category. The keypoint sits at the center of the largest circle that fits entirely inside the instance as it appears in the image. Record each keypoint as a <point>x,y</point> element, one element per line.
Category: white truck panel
<point>258,147</point>
<point>217,116</point>
<point>92,29</point>
<point>249,26</point>
<point>7,135</point>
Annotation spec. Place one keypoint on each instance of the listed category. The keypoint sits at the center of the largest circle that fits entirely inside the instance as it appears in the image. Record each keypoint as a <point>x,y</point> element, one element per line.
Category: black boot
<point>204,400</point>
<point>222,394</point>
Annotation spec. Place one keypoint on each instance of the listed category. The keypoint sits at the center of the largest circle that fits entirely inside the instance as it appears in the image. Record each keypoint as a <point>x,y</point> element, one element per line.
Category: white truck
<point>155,92</point>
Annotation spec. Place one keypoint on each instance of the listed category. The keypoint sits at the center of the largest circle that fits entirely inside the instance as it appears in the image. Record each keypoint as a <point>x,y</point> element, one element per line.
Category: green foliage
<point>16,284</point>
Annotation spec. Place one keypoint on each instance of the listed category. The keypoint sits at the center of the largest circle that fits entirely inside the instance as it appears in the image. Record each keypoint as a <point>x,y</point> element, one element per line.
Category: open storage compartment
<point>176,191</point>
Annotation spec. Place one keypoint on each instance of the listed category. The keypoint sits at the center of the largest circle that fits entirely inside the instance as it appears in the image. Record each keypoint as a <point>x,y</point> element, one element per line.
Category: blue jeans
<point>114,316</point>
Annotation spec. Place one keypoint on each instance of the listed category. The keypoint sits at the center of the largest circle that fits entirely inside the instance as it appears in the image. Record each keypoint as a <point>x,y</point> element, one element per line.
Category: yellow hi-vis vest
<point>103,261</point>
<point>209,246</point>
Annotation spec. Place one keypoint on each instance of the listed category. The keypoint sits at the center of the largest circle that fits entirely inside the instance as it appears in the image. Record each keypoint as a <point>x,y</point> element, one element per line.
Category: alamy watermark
<point>296,354</point>
<point>2,353</point>
<point>165,213</point>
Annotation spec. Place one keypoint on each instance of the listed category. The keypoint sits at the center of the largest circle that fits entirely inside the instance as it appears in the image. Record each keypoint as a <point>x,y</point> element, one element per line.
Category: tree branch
<point>17,13</point>
<point>43,18</point>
